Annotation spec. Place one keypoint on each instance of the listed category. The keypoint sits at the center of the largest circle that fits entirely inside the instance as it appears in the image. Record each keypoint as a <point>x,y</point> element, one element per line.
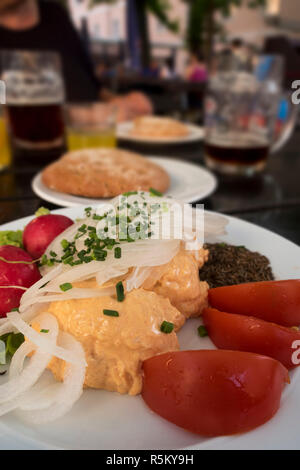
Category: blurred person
<point>220,60</point>
<point>41,25</point>
<point>167,69</point>
<point>196,69</point>
<point>240,53</point>
<point>44,25</point>
<point>153,71</point>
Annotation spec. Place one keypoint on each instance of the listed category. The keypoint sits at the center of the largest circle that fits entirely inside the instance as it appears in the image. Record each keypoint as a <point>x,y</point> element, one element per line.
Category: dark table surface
<point>271,200</point>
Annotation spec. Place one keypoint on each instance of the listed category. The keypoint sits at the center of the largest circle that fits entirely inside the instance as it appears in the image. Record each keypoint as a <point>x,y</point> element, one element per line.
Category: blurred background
<point>76,71</point>
<point>142,56</point>
<point>156,45</point>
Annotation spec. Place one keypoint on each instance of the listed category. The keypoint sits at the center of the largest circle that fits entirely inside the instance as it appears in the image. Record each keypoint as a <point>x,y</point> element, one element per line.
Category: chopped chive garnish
<point>202,331</point>
<point>88,211</point>
<point>155,192</point>
<point>42,211</point>
<point>98,217</point>
<point>166,327</point>
<point>82,228</point>
<point>43,260</point>
<point>44,285</point>
<point>66,286</point>
<point>129,193</point>
<point>65,244</point>
<point>118,252</point>
<point>120,291</point>
<point>111,313</point>
<point>44,331</point>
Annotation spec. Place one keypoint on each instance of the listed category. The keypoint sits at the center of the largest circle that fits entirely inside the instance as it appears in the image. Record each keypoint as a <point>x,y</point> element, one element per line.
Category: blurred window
<point>97,30</point>
<point>160,28</point>
<point>273,7</point>
<point>115,29</point>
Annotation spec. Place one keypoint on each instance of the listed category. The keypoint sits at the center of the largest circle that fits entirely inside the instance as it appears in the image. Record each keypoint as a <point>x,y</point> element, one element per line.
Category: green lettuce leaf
<point>11,237</point>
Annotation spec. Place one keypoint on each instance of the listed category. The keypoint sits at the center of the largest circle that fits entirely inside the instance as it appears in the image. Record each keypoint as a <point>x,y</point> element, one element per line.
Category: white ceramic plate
<point>106,420</point>
<point>189,183</point>
<point>195,134</point>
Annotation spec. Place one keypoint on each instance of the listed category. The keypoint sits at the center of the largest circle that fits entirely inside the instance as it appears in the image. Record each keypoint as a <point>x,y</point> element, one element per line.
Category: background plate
<point>105,420</point>
<point>195,133</point>
<point>189,183</point>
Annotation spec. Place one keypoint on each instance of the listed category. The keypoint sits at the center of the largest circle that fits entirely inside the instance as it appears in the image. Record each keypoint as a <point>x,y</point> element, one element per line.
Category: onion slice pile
<point>41,402</point>
<point>63,396</point>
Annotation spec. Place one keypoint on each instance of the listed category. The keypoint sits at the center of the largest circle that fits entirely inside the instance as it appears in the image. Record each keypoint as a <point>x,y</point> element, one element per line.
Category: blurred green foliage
<point>202,23</point>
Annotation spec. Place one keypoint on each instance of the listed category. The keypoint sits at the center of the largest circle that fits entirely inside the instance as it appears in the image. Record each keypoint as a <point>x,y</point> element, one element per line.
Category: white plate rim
<point>68,200</point>
<point>214,443</point>
<point>196,133</point>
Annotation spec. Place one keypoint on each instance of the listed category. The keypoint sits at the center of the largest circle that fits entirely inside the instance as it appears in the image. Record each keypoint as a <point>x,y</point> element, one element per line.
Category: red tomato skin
<point>42,230</point>
<point>274,301</point>
<point>250,334</point>
<point>15,275</point>
<point>214,393</point>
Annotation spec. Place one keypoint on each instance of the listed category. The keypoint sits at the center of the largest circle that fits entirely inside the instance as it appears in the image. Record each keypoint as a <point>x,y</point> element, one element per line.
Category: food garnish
<point>155,192</point>
<point>202,331</point>
<point>42,211</point>
<point>214,393</point>
<point>66,286</point>
<point>17,274</point>
<point>229,265</point>
<point>166,327</point>
<point>42,230</point>
<point>273,301</point>
<point>120,291</point>
<point>111,313</point>
<point>250,334</point>
<point>11,237</point>
<point>12,343</point>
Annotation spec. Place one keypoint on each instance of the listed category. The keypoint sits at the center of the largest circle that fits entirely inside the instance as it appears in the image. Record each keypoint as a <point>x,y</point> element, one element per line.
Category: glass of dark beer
<point>247,115</point>
<point>34,98</point>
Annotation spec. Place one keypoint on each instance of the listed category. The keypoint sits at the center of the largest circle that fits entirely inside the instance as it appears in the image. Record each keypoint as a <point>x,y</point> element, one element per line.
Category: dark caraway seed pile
<point>228,265</point>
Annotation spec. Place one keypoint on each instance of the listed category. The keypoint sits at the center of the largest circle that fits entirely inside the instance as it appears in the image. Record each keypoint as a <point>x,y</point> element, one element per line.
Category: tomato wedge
<point>240,333</point>
<point>275,301</point>
<point>214,393</point>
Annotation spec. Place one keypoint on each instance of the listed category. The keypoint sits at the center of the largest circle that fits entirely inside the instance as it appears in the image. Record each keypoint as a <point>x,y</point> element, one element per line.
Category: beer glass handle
<point>288,115</point>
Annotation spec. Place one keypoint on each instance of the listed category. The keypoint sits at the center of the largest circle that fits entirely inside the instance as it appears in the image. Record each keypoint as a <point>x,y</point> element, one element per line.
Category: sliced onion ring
<point>67,393</point>
<point>43,341</point>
